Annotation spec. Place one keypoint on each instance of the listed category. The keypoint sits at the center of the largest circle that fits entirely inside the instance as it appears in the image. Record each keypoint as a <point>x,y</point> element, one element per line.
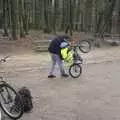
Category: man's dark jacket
<point>54,46</point>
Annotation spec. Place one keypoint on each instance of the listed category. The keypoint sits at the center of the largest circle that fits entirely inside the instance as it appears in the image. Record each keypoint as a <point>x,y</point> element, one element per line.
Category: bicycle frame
<point>76,57</point>
<point>2,84</point>
<point>8,98</point>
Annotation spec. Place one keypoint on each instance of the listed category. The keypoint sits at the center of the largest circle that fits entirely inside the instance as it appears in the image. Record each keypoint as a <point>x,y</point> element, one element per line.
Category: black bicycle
<point>75,69</point>
<point>7,98</point>
<point>84,46</point>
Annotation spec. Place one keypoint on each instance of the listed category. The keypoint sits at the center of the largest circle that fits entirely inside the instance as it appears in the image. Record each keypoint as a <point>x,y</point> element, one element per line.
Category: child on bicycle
<point>69,55</point>
<point>66,52</point>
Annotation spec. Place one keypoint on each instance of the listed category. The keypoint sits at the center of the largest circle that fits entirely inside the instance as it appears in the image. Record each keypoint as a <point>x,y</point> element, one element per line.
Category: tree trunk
<point>55,15</point>
<point>14,18</point>
<point>5,15</point>
<point>26,17</point>
<point>46,17</point>
<point>115,18</point>
<point>78,12</point>
<point>37,14</point>
<point>68,19</point>
<point>21,14</point>
<point>88,15</point>
<point>42,13</point>
<point>71,17</point>
<point>63,15</point>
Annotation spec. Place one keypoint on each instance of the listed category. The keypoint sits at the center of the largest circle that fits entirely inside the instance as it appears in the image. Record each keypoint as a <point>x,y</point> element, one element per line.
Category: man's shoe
<point>51,76</point>
<point>65,75</point>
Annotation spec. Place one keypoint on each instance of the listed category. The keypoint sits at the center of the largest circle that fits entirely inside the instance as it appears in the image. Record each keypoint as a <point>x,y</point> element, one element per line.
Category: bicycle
<point>84,46</point>
<point>75,69</point>
<point>6,98</point>
<point>76,65</point>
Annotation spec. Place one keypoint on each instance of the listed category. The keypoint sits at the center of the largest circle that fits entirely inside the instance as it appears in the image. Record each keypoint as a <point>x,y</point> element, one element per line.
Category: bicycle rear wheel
<point>85,46</point>
<point>75,70</point>
<point>8,103</point>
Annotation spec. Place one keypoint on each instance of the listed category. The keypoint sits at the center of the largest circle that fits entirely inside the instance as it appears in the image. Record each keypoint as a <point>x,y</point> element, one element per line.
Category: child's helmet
<point>64,44</point>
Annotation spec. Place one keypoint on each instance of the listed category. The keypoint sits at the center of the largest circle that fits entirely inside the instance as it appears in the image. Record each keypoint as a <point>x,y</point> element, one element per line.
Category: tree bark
<point>71,17</point>
<point>21,14</point>
<point>26,17</point>
<point>14,18</point>
<point>5,15</point>
<point>46,17</point>
<point>78,13</point>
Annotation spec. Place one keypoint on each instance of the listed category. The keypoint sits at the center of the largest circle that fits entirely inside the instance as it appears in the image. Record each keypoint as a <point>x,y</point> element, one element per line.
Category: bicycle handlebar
<point>4,59</point>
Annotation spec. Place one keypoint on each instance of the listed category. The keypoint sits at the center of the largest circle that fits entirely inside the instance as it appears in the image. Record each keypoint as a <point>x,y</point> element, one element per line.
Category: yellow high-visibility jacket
<point>67,55</point>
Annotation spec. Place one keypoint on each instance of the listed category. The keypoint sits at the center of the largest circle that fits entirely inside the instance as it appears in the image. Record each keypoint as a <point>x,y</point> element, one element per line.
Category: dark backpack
<point>26,97</point>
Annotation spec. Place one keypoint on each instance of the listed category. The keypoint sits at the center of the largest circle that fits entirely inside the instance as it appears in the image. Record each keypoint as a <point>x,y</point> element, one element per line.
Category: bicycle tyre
<point>71,67</point>
<point>88,48</point>
<point>20,107</point>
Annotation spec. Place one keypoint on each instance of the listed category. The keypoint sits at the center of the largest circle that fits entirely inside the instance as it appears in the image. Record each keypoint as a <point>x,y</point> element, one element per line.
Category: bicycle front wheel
<point>75,70</point>
<point>85,46</point>
<point>8,102</point>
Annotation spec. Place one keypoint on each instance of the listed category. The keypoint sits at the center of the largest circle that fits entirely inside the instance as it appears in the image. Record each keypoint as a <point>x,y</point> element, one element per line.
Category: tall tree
<point>5,15</point>
<point>55,13</point>
<point>26,16</point>
<point>71,16</point>
<point>88,15</point>
<point>63,14</point>
<point>46,14</point>
<point>14,20</point>
<point>78,13</point>
<point>21,15</point>
<point>116,18</point>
